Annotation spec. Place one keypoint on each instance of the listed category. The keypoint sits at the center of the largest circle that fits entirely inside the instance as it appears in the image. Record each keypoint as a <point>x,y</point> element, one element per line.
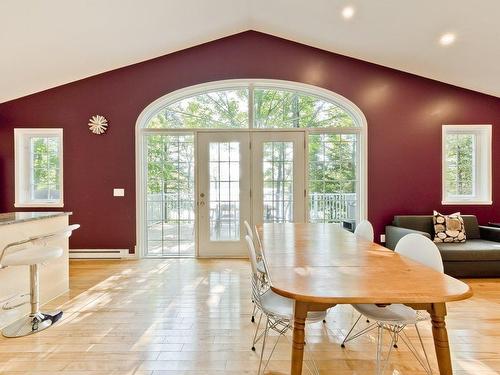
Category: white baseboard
<point>100,254</point>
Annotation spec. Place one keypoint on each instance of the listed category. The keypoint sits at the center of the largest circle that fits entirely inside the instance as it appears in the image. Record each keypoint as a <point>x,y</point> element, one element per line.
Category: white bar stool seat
<point>32,255</point>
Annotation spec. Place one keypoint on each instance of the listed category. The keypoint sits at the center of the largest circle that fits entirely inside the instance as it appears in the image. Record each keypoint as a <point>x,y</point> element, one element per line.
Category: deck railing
<point>323,207</point>
<point>332,207</point>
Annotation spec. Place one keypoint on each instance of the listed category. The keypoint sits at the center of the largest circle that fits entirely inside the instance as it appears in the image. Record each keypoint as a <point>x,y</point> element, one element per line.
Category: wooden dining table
<point>323,265</point>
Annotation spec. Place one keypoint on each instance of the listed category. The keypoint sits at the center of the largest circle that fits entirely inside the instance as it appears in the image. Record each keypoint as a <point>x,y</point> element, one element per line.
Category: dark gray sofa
<point>478,256</point>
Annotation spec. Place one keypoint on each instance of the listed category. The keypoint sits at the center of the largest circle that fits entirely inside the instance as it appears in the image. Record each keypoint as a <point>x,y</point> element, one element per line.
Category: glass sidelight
<point>170,214</point>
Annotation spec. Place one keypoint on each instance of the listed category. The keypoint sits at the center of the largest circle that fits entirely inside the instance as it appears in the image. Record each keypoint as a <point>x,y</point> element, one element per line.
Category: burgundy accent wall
<point>404,114</point>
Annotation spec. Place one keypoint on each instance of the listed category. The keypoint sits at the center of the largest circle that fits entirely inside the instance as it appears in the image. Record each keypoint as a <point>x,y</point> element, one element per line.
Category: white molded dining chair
<point>278,310</point>
<point>420,249</point>
<point>260,261</point>
<point>394,318</point>
<point>364,230</point>
<point>248,229</point>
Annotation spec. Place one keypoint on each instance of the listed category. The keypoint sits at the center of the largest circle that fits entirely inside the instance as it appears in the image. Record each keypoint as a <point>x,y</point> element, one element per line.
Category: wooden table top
<point>324,263</point>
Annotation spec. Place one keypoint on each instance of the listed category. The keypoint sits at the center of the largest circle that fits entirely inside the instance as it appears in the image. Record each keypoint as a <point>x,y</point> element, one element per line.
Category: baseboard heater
<point>99,254</point>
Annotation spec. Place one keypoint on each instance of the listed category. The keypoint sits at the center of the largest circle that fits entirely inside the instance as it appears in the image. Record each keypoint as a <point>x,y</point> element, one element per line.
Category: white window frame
<point>142,130</point>
<point>482,165</point>
<point>23,177</point>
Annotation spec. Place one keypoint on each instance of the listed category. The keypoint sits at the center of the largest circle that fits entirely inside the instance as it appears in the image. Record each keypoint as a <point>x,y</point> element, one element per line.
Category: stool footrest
<point>7,305</point>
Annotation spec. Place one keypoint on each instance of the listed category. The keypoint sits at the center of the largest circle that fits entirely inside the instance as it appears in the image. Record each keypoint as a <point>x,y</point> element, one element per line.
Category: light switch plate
<point>382,238</point>
<point>118,192</point>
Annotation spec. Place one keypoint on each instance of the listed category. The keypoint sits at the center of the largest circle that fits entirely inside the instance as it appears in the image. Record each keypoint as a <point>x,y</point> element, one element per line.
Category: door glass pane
<point>332,177</point>
<point>224,196</point>
<point>170,195</point>
<point>277,169</point>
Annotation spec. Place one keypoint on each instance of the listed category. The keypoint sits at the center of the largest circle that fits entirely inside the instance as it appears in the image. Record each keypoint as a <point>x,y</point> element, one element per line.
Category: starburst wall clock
<point>98,124</point>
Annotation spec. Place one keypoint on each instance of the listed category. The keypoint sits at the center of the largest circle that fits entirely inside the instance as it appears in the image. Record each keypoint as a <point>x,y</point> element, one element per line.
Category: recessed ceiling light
<point>348,12</point>
<point>447,39</point>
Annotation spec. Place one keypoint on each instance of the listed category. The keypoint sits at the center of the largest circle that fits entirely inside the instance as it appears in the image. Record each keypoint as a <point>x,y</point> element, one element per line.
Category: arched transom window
<point>253,107</point>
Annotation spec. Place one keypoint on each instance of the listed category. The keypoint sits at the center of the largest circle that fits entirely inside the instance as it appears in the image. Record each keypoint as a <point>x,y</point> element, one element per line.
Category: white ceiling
<point>49,43</point>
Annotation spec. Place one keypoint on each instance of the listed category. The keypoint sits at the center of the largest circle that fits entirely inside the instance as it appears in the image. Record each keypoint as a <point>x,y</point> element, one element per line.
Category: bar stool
<point>33,252</point>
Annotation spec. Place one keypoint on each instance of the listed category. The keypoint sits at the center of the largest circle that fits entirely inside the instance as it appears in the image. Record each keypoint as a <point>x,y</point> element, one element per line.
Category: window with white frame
<point>466,164</point>
<point>38,167</point>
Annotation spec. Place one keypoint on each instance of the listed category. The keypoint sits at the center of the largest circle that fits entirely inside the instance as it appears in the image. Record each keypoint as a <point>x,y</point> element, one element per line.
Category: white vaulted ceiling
<point>48,43</point>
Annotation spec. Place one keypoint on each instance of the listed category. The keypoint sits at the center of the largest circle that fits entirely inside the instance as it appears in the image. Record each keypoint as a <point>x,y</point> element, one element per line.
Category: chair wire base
<point>281,327</point>
<point>29,325</point>
<point>397,332</point>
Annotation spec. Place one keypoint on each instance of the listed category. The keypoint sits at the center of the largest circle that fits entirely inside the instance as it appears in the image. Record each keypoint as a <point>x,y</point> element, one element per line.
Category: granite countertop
<point>20,217</point>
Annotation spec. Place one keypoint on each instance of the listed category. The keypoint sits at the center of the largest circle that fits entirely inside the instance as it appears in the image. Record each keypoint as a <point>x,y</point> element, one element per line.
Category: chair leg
<point>281,332</point>
<point>358,334</point>
<point>379,348</point>
<point>350,331</point>
<point>253,312</point>
<point>263,345</point>
<point>395,343</point>
<point>429,368</point>
<point>256,332</point>
<point>394,330</point>
<point>413,350</point>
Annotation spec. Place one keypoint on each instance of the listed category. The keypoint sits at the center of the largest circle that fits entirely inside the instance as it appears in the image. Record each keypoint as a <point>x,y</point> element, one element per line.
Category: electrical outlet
<point>118,192</point>
<point>382,238</point>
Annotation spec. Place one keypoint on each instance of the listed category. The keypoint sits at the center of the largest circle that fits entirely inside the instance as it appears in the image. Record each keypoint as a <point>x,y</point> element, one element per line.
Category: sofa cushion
<point>471,227</point>
<point>424,223</point>
<point>472,250</point>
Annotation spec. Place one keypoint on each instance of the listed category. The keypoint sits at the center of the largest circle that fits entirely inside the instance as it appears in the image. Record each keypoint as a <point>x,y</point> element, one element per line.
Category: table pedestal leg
<point>441,344</point>
<point>298,337</point>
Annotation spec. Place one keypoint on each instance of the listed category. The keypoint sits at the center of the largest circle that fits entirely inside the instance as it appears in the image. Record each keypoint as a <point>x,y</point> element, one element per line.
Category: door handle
<point>201,203</point>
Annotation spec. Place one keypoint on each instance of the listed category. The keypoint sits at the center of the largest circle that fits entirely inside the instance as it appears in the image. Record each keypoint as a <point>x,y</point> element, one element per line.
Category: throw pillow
<point>448,228</point>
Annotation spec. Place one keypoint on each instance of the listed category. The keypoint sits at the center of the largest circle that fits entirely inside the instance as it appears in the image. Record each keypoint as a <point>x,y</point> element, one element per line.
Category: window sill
<point>39,205</point>
<point>465,203</point>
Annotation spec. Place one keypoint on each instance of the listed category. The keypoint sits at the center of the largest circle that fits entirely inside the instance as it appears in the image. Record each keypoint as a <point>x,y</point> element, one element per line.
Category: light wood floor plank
<point>192,317</point>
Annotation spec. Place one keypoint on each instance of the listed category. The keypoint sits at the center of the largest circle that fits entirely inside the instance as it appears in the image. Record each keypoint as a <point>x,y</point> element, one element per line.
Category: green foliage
<point>285,109</point>
<point>273,108</point>
<point>332,167</point>
<point>332,163</point>
<point>45,167</point>
<point>459,173</point>
<point>170,163</point>
<point>219,109</point>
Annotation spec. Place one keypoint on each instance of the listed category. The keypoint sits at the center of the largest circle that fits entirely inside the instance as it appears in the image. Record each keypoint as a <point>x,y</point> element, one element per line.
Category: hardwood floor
<point>187,316</point>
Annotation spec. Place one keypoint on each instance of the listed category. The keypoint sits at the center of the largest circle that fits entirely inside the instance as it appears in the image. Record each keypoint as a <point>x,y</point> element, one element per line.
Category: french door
<point>223,192</point>
<point>258,177</point>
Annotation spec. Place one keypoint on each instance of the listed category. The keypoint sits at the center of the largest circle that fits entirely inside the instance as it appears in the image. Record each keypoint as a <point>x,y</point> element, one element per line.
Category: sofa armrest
<point>489,233</point>
<point>393,234</point>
